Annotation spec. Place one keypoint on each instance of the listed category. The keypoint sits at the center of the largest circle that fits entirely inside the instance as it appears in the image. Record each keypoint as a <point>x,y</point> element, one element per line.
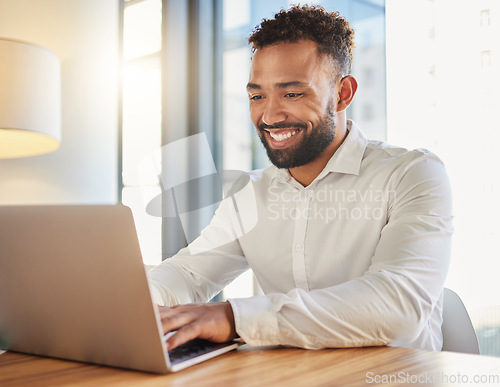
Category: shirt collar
<point>347,159</point>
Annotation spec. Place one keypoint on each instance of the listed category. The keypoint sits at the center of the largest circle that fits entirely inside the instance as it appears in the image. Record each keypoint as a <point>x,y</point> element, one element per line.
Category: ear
<point>347,88</point>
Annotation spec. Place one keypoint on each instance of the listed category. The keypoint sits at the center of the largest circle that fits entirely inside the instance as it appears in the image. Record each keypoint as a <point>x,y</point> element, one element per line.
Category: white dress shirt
<point>357,258</point>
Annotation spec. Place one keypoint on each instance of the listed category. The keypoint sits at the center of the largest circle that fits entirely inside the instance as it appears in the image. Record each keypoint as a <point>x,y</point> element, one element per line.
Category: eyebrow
<point>253,86</point>
<point>280,85</point>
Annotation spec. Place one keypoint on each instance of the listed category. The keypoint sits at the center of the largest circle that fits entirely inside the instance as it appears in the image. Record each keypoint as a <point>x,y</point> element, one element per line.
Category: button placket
<point>298,250</point>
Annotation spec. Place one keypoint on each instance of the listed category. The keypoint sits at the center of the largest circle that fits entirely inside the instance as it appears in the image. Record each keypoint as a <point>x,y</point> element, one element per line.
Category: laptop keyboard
<point>192,349</point>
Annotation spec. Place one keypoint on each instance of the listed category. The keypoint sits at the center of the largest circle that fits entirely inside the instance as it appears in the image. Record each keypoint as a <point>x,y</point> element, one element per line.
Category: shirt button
<point>298,247</point>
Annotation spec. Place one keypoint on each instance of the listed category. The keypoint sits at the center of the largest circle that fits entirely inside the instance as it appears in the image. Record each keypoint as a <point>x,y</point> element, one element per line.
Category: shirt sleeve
<point>393,301</point>
<point>201,270</point>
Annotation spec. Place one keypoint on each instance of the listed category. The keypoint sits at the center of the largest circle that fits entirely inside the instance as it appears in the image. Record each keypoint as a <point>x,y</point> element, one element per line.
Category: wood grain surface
<point>270,367</point>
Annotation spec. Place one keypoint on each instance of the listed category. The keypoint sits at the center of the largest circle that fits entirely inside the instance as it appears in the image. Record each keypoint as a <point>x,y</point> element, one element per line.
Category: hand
<point>212,321</point>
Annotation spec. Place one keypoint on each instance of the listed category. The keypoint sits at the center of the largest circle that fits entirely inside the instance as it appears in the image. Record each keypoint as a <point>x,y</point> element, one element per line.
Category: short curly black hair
<point>329,30</point>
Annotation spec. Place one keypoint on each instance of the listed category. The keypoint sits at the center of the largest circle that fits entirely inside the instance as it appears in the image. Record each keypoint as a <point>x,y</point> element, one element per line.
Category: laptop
<point>73,286</point>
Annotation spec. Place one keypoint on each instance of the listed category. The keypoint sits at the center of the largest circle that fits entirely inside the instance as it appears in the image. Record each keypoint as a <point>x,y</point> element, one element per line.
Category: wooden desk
<point>270,367</point>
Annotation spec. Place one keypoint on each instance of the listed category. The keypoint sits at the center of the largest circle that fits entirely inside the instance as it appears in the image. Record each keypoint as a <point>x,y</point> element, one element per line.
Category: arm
<point>195,275</point>
<point>201,270</point>
<point>393,301</point>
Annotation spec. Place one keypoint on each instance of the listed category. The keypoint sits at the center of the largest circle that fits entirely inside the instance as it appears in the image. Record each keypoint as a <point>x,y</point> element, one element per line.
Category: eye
<point>255,97</point>
<point>293,95</point>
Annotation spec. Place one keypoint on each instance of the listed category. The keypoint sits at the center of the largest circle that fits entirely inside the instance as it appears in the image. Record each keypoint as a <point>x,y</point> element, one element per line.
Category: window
<point>485,59</point>
<point>456,120</point>
<point>141,118</point>
<point>485,17</point>
<point>169,93</point>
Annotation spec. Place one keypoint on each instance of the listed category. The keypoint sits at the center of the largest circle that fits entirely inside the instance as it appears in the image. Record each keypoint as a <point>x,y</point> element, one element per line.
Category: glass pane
<point>368,109</point>
<point>235,13</point>
<point>141,118</point>
<point>443,92</point>
<point>237,127</point>
<point>148,227</point>
<point>142,28</point>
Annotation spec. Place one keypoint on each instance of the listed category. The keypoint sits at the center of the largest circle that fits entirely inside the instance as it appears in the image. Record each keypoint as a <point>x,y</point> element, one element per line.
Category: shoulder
<point>382,151</point>
<point>398,160</point>
<point>408,172</point>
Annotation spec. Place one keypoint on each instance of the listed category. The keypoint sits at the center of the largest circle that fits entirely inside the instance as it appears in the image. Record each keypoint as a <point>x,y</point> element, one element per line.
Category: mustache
<point>283,125</point>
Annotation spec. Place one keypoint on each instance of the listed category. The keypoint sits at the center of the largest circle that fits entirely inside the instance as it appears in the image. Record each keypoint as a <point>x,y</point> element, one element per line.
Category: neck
<point>306,174</point>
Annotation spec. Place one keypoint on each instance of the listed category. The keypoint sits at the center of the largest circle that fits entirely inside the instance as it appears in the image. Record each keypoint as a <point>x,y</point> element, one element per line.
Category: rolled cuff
<point>255,320</point>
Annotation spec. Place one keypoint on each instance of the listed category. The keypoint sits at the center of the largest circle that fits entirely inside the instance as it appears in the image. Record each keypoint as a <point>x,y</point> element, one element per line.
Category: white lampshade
<point>30,99</point>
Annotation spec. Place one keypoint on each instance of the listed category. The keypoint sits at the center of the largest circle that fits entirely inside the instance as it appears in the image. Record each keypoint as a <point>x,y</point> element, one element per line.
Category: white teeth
<point>281,137</point>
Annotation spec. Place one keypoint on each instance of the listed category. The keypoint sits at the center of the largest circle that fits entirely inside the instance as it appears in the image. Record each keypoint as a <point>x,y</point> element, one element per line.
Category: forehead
<point>287,62</point>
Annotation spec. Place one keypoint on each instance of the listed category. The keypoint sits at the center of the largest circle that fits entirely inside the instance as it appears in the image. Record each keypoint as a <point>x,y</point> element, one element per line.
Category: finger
<point>173,320</point>
<point>183,335</point>
<point>166,311</point>
<point>177,316</point>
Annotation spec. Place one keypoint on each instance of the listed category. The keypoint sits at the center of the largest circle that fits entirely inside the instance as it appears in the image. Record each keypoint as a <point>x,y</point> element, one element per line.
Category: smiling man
<point>352,242</point>
<point>297,101</point>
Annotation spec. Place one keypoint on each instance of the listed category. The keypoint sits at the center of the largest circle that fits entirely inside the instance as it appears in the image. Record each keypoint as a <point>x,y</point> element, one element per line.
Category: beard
<point>308,148</point>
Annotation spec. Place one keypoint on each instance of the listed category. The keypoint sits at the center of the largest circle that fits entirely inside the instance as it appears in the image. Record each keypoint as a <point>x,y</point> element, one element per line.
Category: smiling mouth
<point>284,135</point>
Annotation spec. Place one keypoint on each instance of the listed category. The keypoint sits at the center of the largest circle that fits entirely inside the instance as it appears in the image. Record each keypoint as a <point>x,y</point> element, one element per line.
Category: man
<point>352,240</point>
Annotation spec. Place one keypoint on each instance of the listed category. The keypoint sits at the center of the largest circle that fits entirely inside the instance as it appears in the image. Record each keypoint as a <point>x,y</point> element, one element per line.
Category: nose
<point>273,112</point>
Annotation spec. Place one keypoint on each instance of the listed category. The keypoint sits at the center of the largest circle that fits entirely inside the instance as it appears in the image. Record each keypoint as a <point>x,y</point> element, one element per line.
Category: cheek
<point>321,102</point>
<point>314,111</point>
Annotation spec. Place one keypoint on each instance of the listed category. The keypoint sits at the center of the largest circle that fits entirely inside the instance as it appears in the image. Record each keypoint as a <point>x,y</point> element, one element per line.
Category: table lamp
<point>30,99</point>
